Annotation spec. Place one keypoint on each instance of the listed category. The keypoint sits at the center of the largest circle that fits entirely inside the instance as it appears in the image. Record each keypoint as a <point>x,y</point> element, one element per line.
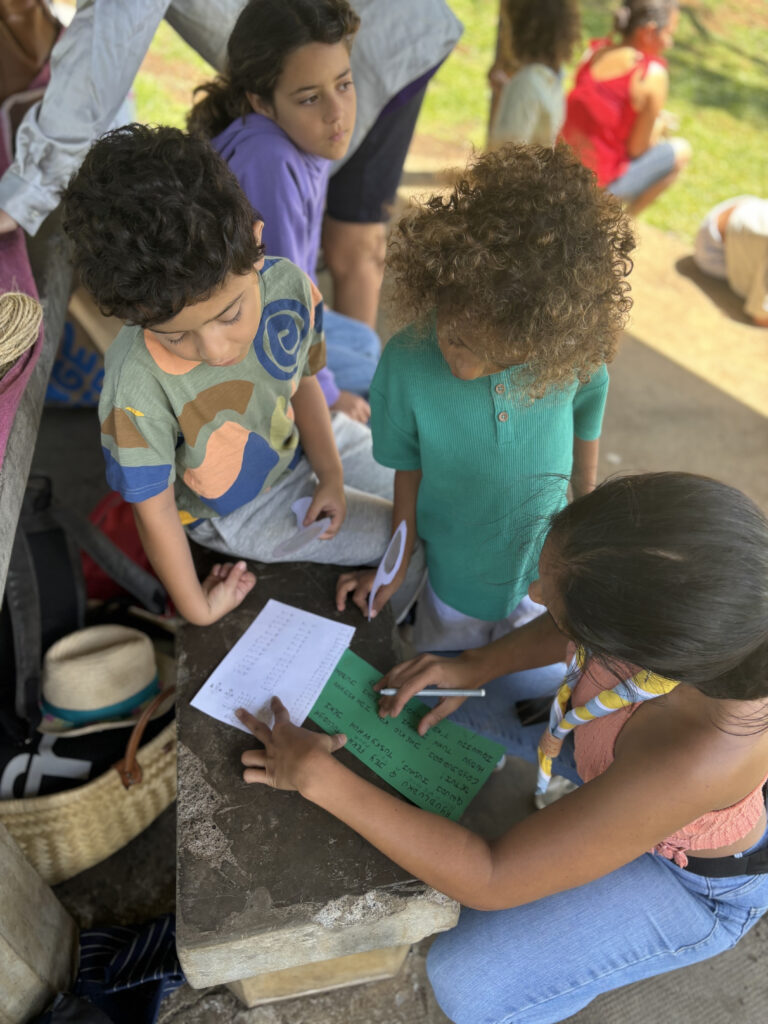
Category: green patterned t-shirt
<point>220,434</point>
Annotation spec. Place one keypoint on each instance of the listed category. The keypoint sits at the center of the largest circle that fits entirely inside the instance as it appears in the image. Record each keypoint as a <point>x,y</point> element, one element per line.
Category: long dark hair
<point>265,32</point>
<point>668,572</point>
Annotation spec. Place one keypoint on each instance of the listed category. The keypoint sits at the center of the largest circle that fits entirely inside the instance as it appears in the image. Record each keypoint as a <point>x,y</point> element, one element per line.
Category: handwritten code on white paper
<point>285,652</point>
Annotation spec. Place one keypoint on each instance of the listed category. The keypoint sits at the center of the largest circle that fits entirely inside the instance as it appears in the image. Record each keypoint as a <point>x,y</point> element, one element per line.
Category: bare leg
<point>354,254</point>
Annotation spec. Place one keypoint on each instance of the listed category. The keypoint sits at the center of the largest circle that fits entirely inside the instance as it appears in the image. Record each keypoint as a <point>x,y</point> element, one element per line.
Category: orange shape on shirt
<point>222,463</point>
<point>204,407</point>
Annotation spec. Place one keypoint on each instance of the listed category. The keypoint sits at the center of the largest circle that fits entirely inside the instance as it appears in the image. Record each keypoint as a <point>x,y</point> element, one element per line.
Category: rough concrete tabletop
<point>257,864</point>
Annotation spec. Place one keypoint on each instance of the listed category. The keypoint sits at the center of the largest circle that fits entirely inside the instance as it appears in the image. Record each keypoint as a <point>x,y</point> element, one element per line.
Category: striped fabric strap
<point>641,687</point>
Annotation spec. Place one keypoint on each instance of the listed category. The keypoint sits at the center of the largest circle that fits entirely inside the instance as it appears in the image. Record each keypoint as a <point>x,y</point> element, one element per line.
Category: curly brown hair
<point>528,247</point>
<point>544,31</point>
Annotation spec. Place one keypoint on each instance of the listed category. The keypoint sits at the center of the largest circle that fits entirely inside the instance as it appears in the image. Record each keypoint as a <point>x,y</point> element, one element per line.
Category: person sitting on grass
<point>280,116</point>
<point>615,118</point>
<point>656,590</point>
<point>212,421</point>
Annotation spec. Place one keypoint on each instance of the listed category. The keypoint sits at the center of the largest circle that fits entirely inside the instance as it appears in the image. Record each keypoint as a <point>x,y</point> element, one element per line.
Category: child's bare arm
<point>359,583</point>
<point>319,444</point>
<point>167,548</point>
<point>584,473</point>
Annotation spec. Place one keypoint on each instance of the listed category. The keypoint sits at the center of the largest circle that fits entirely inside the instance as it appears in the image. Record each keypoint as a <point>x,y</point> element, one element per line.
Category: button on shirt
<point>494,464</point>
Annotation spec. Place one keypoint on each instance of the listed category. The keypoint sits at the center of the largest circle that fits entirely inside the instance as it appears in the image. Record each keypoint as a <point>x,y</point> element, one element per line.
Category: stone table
<point>275,896</point>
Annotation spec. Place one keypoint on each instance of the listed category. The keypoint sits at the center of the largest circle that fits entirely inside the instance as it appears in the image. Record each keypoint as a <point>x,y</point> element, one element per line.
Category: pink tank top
<point>594,745</point>
<point>599,116</point>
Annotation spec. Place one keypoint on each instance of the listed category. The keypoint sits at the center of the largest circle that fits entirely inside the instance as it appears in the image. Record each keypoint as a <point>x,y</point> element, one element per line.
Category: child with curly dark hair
<point>493,398</point>
<point>531,106</point>
<point>212,421</point>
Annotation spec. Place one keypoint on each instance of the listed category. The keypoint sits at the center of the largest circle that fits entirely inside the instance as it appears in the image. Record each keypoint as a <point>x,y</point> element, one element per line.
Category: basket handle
<point>129,768</point>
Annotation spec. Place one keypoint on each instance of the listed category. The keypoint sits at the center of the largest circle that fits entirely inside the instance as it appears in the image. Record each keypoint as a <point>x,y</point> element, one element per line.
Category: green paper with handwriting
<point>440,772</point>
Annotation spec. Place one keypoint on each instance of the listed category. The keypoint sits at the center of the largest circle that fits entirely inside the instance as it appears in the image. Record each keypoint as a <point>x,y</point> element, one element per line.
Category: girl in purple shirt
<point>281,115</point>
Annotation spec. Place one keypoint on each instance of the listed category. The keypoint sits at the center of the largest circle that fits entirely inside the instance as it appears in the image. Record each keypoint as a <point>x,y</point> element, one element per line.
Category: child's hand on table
<point>359,584</point>
<point>427,670</point>
<point>289,751</point>
<point>225,587</point>
<point>328,500</point>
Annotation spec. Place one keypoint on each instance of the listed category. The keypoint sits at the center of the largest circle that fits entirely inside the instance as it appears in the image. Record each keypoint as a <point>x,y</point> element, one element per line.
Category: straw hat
<point>100,678</point>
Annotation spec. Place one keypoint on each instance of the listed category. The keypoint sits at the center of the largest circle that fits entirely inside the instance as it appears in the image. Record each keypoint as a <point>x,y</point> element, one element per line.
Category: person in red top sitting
<point>615,118</point>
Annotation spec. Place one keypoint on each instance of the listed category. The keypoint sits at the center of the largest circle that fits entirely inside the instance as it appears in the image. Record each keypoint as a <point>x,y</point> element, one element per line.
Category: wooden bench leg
<point>38,938</point>
<point>321,976</point>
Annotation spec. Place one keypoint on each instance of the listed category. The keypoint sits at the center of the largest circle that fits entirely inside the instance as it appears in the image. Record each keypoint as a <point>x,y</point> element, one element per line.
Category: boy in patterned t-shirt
<point>212,421</point>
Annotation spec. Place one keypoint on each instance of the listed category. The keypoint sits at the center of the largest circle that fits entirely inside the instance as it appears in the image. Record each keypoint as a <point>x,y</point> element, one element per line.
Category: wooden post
<point>38,938</point>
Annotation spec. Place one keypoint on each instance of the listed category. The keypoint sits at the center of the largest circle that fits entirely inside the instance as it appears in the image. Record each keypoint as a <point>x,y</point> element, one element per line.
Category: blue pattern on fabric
<point>128,971</point>
<point>136,483</point>
<point>284,325</point>
<point>258,460</point>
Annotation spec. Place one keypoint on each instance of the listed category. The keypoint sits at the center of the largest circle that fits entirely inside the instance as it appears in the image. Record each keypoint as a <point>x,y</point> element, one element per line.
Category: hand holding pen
<point>426,672</point>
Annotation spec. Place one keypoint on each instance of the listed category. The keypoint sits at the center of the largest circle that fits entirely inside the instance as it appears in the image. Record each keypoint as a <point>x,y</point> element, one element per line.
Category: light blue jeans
<point>353,350</point>
<point>545,961</point>
<point>645,170</point>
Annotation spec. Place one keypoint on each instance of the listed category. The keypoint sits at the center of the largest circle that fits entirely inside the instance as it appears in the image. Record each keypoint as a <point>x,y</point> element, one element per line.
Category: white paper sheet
<point>285,652</point>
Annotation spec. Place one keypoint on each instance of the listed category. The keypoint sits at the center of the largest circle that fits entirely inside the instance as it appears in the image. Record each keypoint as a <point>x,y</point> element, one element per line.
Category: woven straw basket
<point>62,834</point>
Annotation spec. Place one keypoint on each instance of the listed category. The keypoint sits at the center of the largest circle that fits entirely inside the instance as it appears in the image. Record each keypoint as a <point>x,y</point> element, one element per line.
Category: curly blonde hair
<point>531,252</point>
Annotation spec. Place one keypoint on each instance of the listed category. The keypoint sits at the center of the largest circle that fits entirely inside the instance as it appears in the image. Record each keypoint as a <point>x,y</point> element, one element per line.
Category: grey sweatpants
<point>255,529</point>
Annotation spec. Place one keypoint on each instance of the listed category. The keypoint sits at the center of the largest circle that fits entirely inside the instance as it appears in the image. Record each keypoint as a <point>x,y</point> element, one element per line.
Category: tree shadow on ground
<point>715,290</point>
<point>706,87</point>
<point>708,36</point>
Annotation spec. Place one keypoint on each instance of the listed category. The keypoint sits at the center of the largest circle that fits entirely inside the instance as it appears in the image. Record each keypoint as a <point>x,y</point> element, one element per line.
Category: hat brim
<point>166,673</point>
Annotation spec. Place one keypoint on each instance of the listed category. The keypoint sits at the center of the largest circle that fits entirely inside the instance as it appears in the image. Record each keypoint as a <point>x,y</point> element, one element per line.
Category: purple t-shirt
<point>286,187</point>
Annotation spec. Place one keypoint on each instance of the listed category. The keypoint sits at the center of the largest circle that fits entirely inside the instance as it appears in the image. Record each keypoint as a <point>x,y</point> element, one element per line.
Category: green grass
<point>719,90</point>
<point>456,105</point>
<point>163,87</point>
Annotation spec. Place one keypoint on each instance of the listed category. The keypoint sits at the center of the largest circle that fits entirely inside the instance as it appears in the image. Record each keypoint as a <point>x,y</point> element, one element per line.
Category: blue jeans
<point>353,350</point>
<point>545,961</point>
<point>645,170</point>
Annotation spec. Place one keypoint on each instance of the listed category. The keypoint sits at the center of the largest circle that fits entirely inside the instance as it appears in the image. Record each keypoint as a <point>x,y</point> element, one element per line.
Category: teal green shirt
<point>494,464</point>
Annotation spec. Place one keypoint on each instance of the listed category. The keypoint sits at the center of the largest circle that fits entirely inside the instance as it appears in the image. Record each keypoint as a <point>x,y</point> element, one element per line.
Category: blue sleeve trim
<point>136,483</point>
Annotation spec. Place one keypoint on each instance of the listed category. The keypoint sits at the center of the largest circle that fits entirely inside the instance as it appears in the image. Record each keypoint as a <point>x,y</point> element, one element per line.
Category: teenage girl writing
<point>280,116</point>
<point>658,583</point>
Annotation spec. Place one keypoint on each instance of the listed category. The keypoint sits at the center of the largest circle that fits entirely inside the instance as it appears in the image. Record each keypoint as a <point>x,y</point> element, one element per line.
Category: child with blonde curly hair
<point>492,398</point>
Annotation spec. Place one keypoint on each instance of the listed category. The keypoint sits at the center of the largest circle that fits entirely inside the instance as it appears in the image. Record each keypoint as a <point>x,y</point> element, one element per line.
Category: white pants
<point>439,627</point>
